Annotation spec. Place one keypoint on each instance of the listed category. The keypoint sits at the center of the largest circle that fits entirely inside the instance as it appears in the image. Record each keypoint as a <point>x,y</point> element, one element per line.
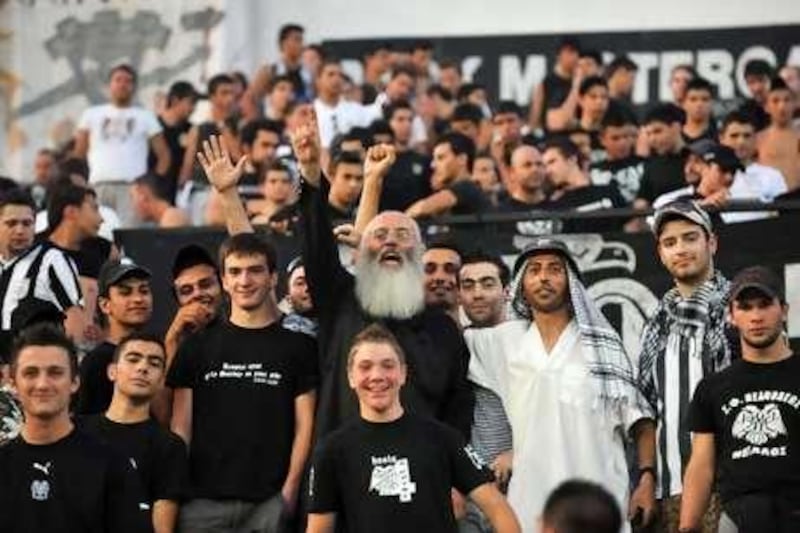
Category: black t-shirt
<point>394,476</point>
<point>662,174</point>
<point>542,226</point>
<point>244,384</point>
<point>625,173</point>
<point>753,410</point>
<point>156,455</point>
<point>76,484</point>
<point>755,112</point>
<point>175,137</point>
<point>710,133</point>
<point>591,198</point>
<point>96,390</point>
<point>406,182</point>
<point>469,198</point>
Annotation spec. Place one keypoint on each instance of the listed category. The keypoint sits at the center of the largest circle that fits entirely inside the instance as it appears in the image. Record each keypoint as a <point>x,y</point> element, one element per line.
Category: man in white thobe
<point>565,381</point>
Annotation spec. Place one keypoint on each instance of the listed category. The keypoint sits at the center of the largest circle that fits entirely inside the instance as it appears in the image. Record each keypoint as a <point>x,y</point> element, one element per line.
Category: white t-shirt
<point>341,118</point>
<point>119,140</point>
<point>759,181</point>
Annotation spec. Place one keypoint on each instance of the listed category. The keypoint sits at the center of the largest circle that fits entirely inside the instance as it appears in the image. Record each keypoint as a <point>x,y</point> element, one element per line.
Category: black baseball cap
<point>686,209</point>
<point>758,278</point>
<point>724,156</point>
<point>114,271</point>
<point>189,256</point>
<point>545,245</point>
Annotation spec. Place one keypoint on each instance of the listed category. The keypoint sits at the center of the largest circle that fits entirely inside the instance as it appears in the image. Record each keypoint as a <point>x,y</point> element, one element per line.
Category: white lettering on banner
<point>517,82</point>
<point>670,60</point>
<point>253,372</point>
<point>469,66</point>
<point>355,69</point>
<point>646,61</point>
<point>717,67</point>
<point>750,54</point>
<point>793,58</point>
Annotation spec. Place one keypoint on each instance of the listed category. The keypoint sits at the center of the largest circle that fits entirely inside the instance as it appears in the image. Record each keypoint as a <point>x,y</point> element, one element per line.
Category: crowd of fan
<point>315,409</point>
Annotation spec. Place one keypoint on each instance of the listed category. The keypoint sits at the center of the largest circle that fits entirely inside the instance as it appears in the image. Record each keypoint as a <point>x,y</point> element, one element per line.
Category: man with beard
<point>387,286</point>
<point>565,381</point>
<point>441,262</point>
<point>684,340</point>
<point>483,292</point>
<point>125,303</point>
<point>745,420</point>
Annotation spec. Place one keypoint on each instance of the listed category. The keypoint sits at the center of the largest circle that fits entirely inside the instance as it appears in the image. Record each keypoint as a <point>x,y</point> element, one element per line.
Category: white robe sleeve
<point>487,363</point>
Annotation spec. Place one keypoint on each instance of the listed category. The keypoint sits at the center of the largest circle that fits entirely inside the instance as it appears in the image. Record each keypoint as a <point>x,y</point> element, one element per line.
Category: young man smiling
<point>746,421</point>
<point>390,470</point>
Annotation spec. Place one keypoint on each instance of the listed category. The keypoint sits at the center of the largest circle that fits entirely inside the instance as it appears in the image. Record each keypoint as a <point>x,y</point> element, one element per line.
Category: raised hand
<point>379,160</point>
<point>307,147</point>
<point>216,163</point>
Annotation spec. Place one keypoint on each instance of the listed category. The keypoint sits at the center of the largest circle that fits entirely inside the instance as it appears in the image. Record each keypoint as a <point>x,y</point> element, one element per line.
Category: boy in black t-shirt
<point>55,478</point>
<point>746,421</point>
<point>244,401</point>
<point>392,471</point>
<point>158,456</point>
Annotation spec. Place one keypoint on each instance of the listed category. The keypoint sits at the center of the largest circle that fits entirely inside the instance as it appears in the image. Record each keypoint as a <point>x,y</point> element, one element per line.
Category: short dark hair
<point>591,82</point>
<point>282,78</point>
<point>578,506</point>
<point>249,131</point>
<point>217,80</point>
<point>392,107</point>
<point>758,67</point>
<point>239,77</point>
<point>180,90</point>
<point>407,70</point>
<point>248,244</point>
<point>74,165</point>
<point>44,334</point>
<point>778,84</point>
<point>329,60</point>
<point>344,157</point>
<point>450,63</point>
<point>666,113</point>
<point>441,92</point>
<point>142,336</point>
<point>124,67</point>
<point>736,117</point>
<point>288,29</point>
<point>616,117</point>
<point>422,44</point>
<point>566,147</point>
<point>505,107</point>
<point>700,84</point>
<point>503,272</point>
<point>153,184</point>
<point>445,243</point>
<point>66,194</point>
<point>467,111</point>
<point>595,55</point>
<point>620,62</point>
<point>380,127</point>
<point>378,334</point>
<point>568,42</point>
<point>467,89</point>
<point>16,196</point>
<point>460,145</point>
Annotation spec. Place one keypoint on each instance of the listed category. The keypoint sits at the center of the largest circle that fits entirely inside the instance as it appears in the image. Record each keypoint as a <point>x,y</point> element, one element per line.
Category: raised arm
<point>224,176</point>
<point>379,160</point>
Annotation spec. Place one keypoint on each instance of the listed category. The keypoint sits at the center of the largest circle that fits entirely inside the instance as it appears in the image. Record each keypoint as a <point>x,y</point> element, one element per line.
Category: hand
<point>307,147</point>
<point>501,466</point>
<point>379,160</point>
<point>497,149</point>
<point>459,504</point>
<point>718,199</point>
<point>190,317</point>
<point>216,163</point>
<point>644,498</point>
<point>289,495</point>
<point>93,333</point>
<point>347,234</point>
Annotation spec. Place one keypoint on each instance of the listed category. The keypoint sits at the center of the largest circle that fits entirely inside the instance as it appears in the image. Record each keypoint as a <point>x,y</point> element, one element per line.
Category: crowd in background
<point>239,415</point>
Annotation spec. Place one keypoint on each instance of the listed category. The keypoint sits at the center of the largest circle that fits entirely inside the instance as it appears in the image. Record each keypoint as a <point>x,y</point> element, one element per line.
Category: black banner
<point>622,271</point>
<point>510,66</point>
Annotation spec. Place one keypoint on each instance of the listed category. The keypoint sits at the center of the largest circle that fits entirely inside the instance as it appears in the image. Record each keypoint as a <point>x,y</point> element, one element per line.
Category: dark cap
<point>686,209</point>
<point>32,311</point>
<point>724,156</point>
<point>190,256</point>
<point>699,148</point>
<point>546,245</point>
<point>758,278</point>
<point>112,272</point>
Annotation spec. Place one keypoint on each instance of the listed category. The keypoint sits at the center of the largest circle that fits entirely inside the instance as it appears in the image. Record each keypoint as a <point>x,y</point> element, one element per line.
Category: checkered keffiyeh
<point>699,322</point>
<point>602,346</point>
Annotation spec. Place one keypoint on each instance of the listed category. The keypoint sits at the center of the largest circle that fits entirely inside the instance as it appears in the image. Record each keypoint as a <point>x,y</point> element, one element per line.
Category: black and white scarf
<point>699,322</point>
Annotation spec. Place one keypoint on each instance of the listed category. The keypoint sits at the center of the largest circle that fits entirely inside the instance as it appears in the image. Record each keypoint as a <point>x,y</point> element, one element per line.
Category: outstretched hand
<point>216,162</point>
<point>307,146</point>
<point>379,160</point>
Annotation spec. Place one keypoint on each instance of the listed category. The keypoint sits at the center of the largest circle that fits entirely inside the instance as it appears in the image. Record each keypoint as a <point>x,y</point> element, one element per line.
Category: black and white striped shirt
<point>45,272</point>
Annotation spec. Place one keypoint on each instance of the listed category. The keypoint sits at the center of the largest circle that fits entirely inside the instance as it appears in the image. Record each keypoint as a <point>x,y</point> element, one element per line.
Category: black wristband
<point>648,469</point>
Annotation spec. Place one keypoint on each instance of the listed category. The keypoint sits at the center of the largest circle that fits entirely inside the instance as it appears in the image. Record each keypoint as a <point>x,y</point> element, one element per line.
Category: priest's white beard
<point>390,293</point>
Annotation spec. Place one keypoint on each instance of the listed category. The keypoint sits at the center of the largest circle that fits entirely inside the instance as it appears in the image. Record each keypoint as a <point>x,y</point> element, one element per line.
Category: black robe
<point>437,357</point>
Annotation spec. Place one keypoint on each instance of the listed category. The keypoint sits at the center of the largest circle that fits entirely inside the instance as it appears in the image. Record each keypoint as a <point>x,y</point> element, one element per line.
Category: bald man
<point>526,180</point>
